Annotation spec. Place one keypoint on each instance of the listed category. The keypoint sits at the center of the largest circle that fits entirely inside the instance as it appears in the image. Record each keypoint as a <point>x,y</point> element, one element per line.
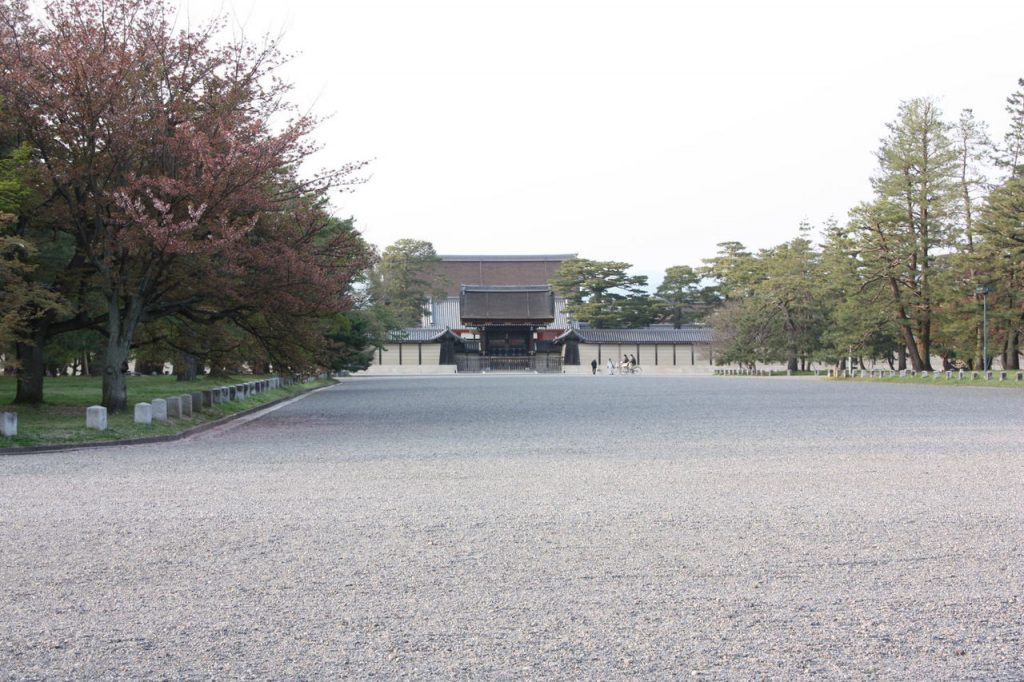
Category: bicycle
<point>634,369</point>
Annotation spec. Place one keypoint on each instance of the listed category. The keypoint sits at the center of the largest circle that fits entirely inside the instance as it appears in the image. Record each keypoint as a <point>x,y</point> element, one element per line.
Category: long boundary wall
<point>665,355</point>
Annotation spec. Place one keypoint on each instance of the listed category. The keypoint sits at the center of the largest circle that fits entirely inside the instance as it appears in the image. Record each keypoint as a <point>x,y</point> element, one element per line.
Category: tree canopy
<point>603,294</point>
<point>172,163</point>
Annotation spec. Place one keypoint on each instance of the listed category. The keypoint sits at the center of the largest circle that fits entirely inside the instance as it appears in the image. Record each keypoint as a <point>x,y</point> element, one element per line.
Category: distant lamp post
<point>984,291</point>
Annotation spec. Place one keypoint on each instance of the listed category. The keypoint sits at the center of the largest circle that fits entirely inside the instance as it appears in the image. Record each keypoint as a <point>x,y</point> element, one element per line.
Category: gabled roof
<point>648,336</point>
<point>422,334</point>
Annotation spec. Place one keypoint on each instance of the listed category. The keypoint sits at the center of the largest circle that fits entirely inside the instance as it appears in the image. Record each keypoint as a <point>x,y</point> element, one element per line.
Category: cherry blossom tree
<point>175,161</point>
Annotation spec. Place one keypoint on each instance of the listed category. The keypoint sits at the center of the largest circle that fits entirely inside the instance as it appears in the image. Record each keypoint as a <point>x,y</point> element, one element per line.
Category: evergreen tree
<point>773,311</point>
<point>403,281</point>
<point>911,219</point>
<point>857,321</point>
<point>603,294</point>
<point>682,296</point>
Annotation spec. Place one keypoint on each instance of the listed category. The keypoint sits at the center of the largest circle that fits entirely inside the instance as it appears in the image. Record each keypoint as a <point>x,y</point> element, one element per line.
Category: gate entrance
<point>506,340</point>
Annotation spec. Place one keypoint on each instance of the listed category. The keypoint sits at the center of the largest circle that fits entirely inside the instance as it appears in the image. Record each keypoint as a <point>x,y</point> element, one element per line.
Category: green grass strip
<point>61,419</point>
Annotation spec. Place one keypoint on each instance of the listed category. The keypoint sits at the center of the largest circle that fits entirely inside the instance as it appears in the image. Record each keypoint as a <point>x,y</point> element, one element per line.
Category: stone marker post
<point>197,400</point>
<point>186,405</point>
<point>9,424</point>
<point>159,407</point>
<point>96,417</point>
<point>143,413</point>
<point>174,407</point>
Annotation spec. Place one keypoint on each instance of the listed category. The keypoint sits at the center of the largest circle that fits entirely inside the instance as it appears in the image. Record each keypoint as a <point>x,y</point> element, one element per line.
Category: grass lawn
<point>61,419</point>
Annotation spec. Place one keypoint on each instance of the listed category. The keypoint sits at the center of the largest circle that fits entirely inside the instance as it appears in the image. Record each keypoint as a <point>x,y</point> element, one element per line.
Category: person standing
<point>611,367</point>
<point>593,366</point>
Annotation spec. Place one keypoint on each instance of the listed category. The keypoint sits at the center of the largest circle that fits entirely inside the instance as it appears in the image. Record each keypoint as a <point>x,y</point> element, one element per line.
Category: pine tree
<point>911,219</point>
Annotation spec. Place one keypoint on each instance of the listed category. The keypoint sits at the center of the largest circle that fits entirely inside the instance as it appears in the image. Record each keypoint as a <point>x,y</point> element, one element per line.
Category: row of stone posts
<point>949,375</point>
<point>174,407</point>
<point>730,372</point>
<point>183,406</point>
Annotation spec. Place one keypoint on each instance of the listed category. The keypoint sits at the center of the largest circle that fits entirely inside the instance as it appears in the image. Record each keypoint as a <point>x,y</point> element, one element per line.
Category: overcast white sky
<point>639,131</point>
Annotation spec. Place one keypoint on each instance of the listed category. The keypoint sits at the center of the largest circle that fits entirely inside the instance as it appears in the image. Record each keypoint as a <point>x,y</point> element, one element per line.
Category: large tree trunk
<point>911,351</point>
<point>902,361</point>
<point>924,354</point>
<point>31,371</point>
<point>186,367</point>
<point>906,333</point>
<point>979,346</point>
<point>149,368</point>
<point>120,331</point>
<point>115,376</point>
<point>1011,356</point>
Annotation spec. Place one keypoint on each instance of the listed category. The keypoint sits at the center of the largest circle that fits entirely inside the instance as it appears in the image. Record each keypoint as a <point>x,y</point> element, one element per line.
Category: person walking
<point>593,366</point>
<point>611,367</point>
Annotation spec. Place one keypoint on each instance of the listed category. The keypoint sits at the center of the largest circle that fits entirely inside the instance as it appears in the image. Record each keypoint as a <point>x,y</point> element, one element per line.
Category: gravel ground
<point>534,527</point>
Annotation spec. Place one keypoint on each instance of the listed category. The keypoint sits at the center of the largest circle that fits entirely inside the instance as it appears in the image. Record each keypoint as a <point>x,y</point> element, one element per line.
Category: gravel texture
<point>534,527</point>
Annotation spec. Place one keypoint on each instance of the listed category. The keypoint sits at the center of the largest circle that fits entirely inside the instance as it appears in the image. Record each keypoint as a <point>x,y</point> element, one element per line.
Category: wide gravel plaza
<point>525,527</point>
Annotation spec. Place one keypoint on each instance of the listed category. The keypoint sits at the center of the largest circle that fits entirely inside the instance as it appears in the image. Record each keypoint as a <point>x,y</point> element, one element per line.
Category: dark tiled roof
<point>641,336</point>
<point>482,304</point>
<point>505,288</point>
<point>421,334</point>
<point>505,259</point>
<point>447,312</point>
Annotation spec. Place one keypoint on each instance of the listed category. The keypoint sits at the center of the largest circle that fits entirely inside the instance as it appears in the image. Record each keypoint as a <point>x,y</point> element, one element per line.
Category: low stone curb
<point>64,447</point>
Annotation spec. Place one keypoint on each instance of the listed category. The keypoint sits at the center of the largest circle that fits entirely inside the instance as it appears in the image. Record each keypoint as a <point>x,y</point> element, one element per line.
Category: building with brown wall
<point>499,270</point>
<point>500,313</point>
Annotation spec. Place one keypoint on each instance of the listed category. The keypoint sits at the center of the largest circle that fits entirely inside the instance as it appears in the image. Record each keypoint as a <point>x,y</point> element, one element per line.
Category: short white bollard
<point>9,424</point>
<point>143,413</point>
<point>174,407</point>
<point>96,417</point>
